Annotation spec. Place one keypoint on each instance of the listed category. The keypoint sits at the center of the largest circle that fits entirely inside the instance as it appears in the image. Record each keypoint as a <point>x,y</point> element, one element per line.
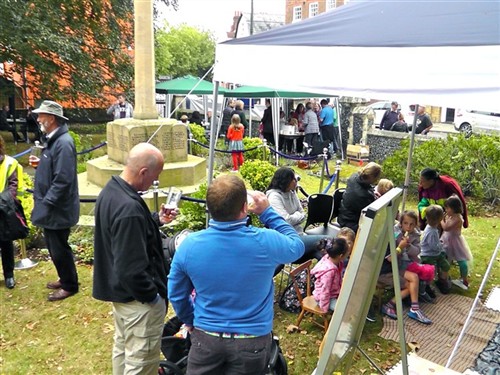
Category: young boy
<point>432,251</point>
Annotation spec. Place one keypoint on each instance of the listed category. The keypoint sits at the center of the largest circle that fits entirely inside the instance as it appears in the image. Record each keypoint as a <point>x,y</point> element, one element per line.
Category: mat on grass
<point>435,342</point>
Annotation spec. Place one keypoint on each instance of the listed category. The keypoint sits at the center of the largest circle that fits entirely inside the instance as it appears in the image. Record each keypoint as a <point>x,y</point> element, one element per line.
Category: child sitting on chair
<point>408,249</point>
<point>328,273</point>
<point>432,251</point>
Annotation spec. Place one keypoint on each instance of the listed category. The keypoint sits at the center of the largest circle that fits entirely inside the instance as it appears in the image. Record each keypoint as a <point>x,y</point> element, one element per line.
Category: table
<point>292,137</point>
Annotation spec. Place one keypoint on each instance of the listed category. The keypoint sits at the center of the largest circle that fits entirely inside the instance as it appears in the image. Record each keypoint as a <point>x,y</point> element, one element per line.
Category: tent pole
<point>205,107</point>
<point>337,109</point>
<point>213,135</point>
<point>410,157</point>
<point>276,124</point>
<point>250,116</point>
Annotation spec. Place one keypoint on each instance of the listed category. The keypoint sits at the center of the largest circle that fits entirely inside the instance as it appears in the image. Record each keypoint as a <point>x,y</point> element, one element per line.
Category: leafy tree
<point>183,50</point>
<point>69,49</point>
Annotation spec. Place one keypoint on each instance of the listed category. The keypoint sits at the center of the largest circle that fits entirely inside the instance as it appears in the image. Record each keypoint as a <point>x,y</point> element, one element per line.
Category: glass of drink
<point>173,198</point>
<point>36,153</point>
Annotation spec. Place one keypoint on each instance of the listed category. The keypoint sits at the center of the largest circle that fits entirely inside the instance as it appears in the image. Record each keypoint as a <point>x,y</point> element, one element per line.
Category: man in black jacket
<point>129,266</point>
<point>390,117</point>
<point>57,205</point>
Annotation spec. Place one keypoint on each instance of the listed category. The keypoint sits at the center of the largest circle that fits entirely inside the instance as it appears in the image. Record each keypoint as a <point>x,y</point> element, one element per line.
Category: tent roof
<point>183,86</point>
<point>443,52</point>
<point>266,92</point>
<point>434,23</point>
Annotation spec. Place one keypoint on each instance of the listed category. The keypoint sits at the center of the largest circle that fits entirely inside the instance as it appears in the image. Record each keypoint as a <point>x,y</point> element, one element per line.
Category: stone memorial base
<point>185,172</point>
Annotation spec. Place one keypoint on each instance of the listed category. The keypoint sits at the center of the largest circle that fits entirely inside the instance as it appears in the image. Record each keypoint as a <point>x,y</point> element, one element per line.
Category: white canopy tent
<point>444,52</point>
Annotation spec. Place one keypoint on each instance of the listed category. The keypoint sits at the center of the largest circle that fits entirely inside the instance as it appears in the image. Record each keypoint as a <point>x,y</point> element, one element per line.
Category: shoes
<point>443,286</point>
<point>10,282</point>
<point>419,316</point>
<point>389,310</point>
<point>371,317</point>
<point>234,171</point>
<point>54,284</point>
<point>460,284</point>
<point>430,291</point>
<point>425,297</point>
<point>59,295</point>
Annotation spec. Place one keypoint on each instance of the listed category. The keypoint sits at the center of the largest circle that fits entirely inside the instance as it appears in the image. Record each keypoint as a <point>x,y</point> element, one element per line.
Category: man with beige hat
<point>57,206</point>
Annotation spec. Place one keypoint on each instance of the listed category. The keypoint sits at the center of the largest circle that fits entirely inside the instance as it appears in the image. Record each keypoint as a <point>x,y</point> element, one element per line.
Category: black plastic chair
<point>319,211</point>
<point>337,198</point>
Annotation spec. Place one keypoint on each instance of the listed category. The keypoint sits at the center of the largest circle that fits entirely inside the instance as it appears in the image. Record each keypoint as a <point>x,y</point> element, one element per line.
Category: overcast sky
<point>217,15</point>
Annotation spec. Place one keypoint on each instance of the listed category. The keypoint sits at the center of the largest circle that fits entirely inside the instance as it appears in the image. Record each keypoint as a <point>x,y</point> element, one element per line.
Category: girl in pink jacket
<point>328,273</point>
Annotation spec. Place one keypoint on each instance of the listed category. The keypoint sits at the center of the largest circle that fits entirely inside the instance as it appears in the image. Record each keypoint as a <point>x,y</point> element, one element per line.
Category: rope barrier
<point>223,151</point>
<point>195,200</point>
<point>22,153</point>
<point>292,157</point>
<point>332,180</point>
<point>92,148</point>
<point>25,152</point>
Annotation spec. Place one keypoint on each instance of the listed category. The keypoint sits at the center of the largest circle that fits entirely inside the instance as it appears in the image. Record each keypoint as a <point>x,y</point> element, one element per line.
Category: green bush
<point>257,173</point>
<point>192,215</point>
<point>26,200</point>
<point>474,162</point>
<point>198,132</point>
<point>249,143</point>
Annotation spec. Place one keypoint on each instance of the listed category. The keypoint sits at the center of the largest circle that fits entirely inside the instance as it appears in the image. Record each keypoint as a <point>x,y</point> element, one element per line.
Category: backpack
<point>289,300</point>
<point>13,225</point>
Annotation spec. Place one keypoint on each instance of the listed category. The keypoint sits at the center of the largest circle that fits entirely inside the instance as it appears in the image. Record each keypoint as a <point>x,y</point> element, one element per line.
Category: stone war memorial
<point>181,170</point>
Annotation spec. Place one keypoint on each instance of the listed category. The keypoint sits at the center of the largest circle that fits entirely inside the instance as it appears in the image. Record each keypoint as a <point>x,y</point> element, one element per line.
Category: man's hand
<point>259,204</point>
<point>167,215</point>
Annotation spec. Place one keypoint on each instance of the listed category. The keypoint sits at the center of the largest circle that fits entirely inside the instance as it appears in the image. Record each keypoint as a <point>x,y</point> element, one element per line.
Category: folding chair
<point>319,211</point>
<point>307,303</point>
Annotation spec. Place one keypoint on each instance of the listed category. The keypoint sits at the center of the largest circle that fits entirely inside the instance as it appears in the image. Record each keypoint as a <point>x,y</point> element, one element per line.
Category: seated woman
<point>358,194</point>
<point>283,198</point>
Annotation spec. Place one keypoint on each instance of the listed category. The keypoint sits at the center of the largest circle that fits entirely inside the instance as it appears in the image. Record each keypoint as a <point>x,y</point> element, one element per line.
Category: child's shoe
<point>390,311</point>
<point>419,316</point>
<point>460,284</point>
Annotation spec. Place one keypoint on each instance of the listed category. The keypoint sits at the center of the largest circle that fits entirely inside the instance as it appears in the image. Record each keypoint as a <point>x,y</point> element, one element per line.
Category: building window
<point>313,9</point>
<point>331,4</point>
<point>297,14</point>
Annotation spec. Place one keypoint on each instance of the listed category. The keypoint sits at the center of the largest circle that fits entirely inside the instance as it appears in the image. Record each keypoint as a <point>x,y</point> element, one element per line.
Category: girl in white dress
<point>454,243</point>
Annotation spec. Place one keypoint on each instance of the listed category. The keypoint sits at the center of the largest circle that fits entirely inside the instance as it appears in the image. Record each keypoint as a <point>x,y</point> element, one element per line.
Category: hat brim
<point>48,113</point>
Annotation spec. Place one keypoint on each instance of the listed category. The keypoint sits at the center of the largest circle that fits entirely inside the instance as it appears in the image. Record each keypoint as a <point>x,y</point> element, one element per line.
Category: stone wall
<point>385,143</point>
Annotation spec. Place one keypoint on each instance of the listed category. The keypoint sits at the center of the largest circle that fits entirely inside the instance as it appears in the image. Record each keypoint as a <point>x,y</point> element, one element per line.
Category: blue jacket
<point>57,204</point>
<point>231,267</point>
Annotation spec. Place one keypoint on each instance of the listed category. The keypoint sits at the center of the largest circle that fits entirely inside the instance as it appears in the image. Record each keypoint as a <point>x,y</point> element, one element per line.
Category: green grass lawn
<point>76,335</point>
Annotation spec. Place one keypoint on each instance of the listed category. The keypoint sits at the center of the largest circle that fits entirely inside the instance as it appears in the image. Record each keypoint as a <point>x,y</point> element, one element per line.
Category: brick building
<point>297,10</point>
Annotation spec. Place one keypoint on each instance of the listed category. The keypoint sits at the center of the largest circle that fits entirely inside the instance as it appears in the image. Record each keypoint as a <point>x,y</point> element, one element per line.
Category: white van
<point>469,122</point>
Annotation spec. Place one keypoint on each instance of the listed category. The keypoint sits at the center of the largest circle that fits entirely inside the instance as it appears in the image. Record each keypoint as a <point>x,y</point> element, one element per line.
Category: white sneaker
<point>460,284</point>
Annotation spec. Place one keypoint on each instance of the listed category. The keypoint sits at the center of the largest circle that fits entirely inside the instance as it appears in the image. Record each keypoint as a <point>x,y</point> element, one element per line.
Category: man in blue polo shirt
<point>328,126</point>
<point>230,266</point>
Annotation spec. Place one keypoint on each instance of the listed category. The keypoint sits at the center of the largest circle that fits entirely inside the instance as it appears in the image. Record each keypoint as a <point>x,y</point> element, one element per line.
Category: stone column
<point>144,67</point>
<point>353,127</point>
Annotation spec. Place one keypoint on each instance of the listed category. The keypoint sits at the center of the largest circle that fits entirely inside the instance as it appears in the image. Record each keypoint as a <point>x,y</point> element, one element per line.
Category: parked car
<point>470,121</point>
<point>379,108</point>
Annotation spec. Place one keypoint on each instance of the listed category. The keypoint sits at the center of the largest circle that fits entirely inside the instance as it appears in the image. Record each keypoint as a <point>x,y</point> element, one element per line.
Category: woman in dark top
<point>195,118</point>
<point>359,193</point>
